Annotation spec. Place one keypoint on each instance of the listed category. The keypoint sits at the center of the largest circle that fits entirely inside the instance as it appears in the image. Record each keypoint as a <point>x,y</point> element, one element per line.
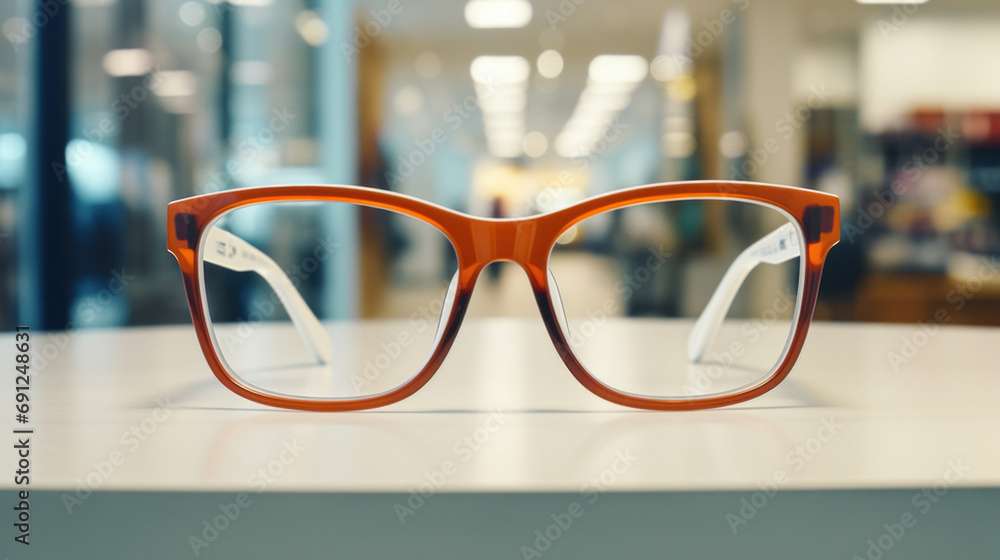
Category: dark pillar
<point>46,269</point>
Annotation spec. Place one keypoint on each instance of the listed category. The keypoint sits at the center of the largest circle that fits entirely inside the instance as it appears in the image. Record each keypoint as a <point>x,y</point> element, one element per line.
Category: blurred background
<point>109,109</point>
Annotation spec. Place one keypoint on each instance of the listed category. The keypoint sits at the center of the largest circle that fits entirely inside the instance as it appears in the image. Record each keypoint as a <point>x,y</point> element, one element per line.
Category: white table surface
<point>895,429</point>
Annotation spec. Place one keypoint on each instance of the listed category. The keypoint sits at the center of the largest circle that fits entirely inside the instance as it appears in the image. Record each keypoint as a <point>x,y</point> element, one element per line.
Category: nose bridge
<point>498,240</point>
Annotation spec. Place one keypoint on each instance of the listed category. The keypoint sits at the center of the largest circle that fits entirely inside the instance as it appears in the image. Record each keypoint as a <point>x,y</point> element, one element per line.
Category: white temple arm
<point>779,246</point>
<point>229,251</point>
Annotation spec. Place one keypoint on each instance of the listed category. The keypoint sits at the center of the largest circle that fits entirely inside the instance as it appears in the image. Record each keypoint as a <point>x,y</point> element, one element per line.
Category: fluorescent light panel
<point>618,68</point>
<point>128,62</point>
<point>496,70</point>
<point>495,14</point>
<point>611,80</point>
<point>501,90</point>
<point>591,100</point>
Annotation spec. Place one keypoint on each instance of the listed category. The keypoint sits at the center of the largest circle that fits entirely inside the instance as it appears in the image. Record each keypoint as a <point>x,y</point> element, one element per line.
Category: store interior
<point>499,108</point>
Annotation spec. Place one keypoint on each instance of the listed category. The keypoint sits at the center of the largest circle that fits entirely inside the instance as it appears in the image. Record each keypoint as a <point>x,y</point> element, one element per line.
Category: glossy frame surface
<point>525,241</point>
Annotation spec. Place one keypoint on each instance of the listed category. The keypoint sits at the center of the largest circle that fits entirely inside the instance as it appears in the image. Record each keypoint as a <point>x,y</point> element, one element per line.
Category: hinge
<point>818,220</point>
<point>186,228</point>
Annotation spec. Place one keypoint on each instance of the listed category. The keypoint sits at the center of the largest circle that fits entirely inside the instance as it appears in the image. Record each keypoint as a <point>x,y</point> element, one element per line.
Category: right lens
<point>712,288</point>
<point>285,282</point>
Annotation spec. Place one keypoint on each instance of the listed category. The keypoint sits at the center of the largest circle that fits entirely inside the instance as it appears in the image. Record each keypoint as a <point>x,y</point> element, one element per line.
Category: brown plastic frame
<point>525,241</point>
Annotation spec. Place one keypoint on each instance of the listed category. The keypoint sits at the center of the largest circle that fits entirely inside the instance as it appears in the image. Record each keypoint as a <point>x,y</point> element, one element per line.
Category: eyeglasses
<point>674,296</point>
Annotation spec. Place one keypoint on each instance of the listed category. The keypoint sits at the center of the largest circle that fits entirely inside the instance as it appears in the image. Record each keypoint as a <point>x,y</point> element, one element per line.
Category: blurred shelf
<point>936,298</point>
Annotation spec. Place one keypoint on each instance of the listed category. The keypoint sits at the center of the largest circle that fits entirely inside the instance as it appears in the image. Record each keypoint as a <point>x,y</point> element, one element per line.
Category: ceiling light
<point>13,146</point>
<point>503,103</point>
<point>496,120</point>
<point>192,13</point>
<point>500,69</point>
<point>608,88</point>
<point>128,62</point>
<point>550,64</point>
<point>593,100</point>
<point>627,68</point>
<point>590,120</point>
<point>487,14</point>
<point>312,29</point>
